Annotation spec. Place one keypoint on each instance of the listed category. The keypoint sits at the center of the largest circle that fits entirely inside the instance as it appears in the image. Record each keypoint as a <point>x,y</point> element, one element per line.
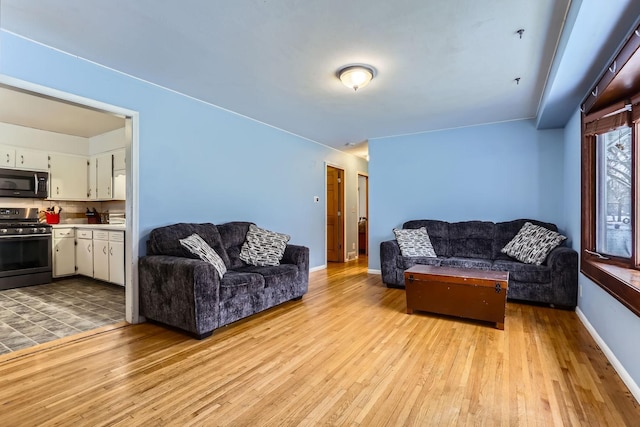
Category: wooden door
<point>363,225</point>
<point>335,217</point>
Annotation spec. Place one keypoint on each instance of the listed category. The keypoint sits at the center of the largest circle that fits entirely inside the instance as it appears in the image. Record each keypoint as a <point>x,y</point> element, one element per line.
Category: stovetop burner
<point>21,221</point>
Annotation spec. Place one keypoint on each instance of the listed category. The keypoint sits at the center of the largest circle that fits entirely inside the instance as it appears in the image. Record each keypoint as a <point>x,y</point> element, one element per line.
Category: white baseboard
<point>318,268</point>
<point>611,357</point>
<point>372,271</point>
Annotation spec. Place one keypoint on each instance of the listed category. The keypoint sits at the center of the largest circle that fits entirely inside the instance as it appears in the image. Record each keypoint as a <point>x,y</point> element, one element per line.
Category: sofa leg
<point>202,336</point>
<point>297,298</point>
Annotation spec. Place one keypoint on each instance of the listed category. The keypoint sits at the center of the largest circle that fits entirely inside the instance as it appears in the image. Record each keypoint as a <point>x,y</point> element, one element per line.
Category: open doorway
<point>335,217</point>
<point>363,214</point>
<point>90,135</point>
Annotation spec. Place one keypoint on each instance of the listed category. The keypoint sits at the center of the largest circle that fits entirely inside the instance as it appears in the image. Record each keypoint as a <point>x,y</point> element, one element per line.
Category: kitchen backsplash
<point>72,212</point>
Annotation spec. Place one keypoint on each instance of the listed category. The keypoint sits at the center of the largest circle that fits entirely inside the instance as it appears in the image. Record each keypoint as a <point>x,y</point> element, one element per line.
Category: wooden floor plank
<point>347,354</point>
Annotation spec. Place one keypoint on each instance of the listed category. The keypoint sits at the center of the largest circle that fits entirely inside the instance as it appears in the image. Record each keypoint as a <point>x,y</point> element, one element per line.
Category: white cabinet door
<point>101,259</point>
<point>104,189</point>
<point>84,255</point>
<point>64,260</point>
<point>7,157</point>
<point>116,263</point>
<point>119,160</point>
<point>67,177</point>
<point>31,159</point>
<point>92,192</point>
<point>119,184</point>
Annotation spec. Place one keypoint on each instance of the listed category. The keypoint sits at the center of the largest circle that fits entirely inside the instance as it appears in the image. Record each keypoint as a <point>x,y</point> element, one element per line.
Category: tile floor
<point>38,314</point>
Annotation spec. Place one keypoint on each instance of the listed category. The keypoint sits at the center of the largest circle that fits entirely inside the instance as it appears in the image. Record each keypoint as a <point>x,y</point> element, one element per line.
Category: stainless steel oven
<point>25,248</point>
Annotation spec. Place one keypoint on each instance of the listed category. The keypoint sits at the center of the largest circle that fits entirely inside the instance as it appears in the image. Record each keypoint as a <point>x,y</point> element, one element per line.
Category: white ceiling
<point>38,112</point>
<point>440,63</point>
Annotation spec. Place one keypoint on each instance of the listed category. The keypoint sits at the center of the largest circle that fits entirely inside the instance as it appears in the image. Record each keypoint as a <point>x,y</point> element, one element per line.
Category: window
<point>610,239</point>
<point>613,194</point>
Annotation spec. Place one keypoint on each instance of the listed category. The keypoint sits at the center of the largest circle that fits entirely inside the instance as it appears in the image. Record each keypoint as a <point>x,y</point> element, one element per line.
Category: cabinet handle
<point>22,159</point>
<point>57,190</point>
<point>89,248</point>
<point>111,251</point>
<point>8,158</point>
<point>104,250</point>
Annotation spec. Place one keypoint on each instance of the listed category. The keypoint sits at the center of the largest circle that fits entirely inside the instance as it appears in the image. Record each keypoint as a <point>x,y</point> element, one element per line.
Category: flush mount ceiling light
<point>356,76</point>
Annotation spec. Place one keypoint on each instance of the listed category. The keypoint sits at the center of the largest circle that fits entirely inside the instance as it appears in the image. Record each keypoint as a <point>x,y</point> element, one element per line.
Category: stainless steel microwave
<point>19,183</point>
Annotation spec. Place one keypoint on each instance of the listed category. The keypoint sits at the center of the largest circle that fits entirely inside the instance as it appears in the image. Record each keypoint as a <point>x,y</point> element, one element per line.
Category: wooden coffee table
<point>462,292</point>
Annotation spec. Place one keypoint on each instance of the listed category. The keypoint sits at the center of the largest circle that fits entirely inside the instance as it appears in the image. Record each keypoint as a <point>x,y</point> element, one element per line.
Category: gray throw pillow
<point>532,244</point>
<point>414,242</point>
<point>263,247</point>
<point>199,247</point>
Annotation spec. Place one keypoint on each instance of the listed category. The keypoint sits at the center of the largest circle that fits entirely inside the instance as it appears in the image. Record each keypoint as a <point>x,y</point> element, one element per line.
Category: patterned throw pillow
<point>199,247</point>
<point>532,244</point>
<point>414,242</point>
<point>263,247</point>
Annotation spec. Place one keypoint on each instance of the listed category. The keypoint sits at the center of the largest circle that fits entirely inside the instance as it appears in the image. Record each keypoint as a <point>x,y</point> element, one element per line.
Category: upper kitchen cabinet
<point>119,175</point>
<point>107,176</point>
<point>7,157</point>
<point>67,177</point>
<point>22,158</point>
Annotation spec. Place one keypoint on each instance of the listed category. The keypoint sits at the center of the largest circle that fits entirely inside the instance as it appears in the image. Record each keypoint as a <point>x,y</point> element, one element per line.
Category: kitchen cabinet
<point>116,257</point>
<point>107,176</point>
<point>23,158</point>
<point>108,256</point>
<point>67,177</point>
<point>7,157</point>
<point>101,255</point>
<point>84,252</point>
<point>64,262</point>
<point>31,159</point>
<point>104,176</point>
<point>119,175</point>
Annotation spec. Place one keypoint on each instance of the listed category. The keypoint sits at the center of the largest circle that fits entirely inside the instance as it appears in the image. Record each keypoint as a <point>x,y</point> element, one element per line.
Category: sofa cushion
<point>263,247</point>
<point>438,233</point>
<point>522,272</point>
<point>481,264</point>
<point>505,231</point>
<point>408,262</point>
<point>414,242</point>
<point>471,239</point>
<point>166,240</point>
<point>532,244</point>
<point>197,246</point>
<point>233,235</point>
<point>240,283</point>
<point>273,275</point>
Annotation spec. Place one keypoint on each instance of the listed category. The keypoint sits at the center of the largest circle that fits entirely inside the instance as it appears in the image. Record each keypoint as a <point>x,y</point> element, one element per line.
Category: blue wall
<point>494,172</point>
<point>198,162</point>
<point>618,327</point>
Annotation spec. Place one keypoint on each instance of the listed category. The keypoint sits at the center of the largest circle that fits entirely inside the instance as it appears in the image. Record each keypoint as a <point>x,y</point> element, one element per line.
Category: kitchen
<point>62,219</point>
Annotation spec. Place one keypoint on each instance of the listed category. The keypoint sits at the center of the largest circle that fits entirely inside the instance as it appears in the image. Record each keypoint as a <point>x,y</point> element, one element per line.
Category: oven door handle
<point>22,236</point>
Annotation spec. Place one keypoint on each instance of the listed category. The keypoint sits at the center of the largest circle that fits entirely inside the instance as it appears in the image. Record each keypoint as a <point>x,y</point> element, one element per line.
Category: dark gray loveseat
<point>180,290</point>
<point>477,244</point>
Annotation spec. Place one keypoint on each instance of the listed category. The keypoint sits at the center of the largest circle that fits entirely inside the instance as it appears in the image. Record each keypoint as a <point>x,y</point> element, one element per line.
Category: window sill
<point>621,282</point>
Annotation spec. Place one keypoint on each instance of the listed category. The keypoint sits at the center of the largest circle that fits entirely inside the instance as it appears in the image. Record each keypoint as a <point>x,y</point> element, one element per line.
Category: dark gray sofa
<point>477,244</point>
<point>180,290</point>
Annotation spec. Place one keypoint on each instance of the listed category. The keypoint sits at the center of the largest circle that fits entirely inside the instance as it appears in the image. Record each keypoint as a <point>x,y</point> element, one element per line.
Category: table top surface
<point>471,273</point>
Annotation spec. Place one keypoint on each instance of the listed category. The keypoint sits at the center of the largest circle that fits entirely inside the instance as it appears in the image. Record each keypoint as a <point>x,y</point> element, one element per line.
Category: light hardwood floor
<point>346,354</point>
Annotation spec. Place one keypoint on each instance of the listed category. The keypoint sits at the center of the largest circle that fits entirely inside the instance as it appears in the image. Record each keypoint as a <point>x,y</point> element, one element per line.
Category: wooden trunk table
<point>462,292</point>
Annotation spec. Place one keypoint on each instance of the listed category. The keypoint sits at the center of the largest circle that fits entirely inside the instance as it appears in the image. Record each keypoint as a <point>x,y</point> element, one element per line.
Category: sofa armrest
<point>181,292</point>
<point>563,262</point>
<point>389,252</point>
<point>298,255</point>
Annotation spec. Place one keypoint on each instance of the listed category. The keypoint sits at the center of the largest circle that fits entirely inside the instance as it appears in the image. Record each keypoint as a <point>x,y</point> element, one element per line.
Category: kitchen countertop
<point>92,226</point>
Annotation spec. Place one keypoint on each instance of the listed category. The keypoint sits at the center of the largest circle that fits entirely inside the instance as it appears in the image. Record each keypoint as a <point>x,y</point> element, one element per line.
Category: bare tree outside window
<point>613,215</point>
